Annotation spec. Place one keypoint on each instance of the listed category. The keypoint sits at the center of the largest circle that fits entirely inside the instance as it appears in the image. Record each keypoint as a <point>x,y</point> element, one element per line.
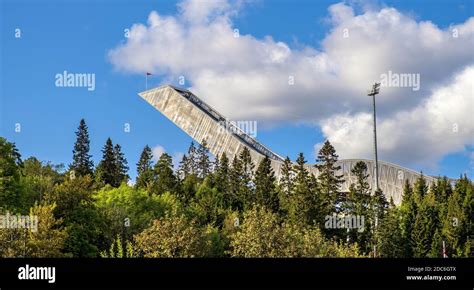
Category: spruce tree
<point>468,227</point>
<point>145,168</point>
<point>453,225</point>
<point>287,175</point>
<point>358,202</point>
<point>221,177</point>
<point>235,184</point>
<point>409,211</point>
<point>265,188</point>
<point>390,241</point>
<point>246,185</point>
<point>106,171</point>
<point>192,159</point>
<point>285,186</point>
<point>329,181</point>
<point>298,207</point>
<point>425,226</point>
<point>82,163</point>
<point>184,168</point>
<point>420,189</point>
<point>202,159</point>
<point>121,175</point>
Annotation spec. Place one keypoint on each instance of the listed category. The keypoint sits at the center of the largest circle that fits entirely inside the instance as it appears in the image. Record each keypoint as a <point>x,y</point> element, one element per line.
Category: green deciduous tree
<point>128,210</point>
<point>172,236</point>
<point>10,174</point>
<point>46,240</point>
<point>262,235</point>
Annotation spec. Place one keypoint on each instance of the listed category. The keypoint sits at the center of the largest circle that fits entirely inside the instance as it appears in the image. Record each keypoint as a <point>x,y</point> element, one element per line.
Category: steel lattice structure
<point>201,121</point>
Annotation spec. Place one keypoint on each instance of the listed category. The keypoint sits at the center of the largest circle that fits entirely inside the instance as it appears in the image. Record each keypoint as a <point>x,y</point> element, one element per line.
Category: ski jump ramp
<point>201,121</point>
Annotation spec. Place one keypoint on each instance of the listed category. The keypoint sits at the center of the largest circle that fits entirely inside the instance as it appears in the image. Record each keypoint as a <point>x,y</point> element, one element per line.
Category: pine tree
<point>328,179</point>
<point>203,163</point>
<point>145,168</point>
<point>82,163</point>
<point>107,169</point>
<point>165,180</point>
<point>121,175</point>
<point>265,188</point>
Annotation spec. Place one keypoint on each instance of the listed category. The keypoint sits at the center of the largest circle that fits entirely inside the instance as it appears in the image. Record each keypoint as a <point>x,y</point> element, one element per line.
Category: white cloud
<point>442,124</point>
<point>248,78</point>
<point>157,151</point>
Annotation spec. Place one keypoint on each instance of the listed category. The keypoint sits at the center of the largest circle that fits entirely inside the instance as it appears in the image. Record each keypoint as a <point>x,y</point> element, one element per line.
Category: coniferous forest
<point>218,207</point>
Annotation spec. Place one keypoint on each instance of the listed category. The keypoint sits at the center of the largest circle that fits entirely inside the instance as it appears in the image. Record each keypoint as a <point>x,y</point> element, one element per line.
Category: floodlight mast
<point>375,90</point>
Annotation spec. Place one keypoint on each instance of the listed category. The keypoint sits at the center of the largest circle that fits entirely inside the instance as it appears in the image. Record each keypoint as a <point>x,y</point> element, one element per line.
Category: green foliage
<point>172,236</point>
<point>222,210</point>
<point>390,240</point>
<point>45,240</point>
<point>118,249</point>
<point>128,210</point>
<point>73,199</point>
<point>165,180</point>
<point>262,235</point>
<point>10,173</point>
<point>425,226</point>
<point>207,206</point>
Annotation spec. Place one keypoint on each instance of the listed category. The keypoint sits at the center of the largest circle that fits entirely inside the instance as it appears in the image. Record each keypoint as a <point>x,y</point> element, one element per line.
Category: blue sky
<point>77,36</point>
